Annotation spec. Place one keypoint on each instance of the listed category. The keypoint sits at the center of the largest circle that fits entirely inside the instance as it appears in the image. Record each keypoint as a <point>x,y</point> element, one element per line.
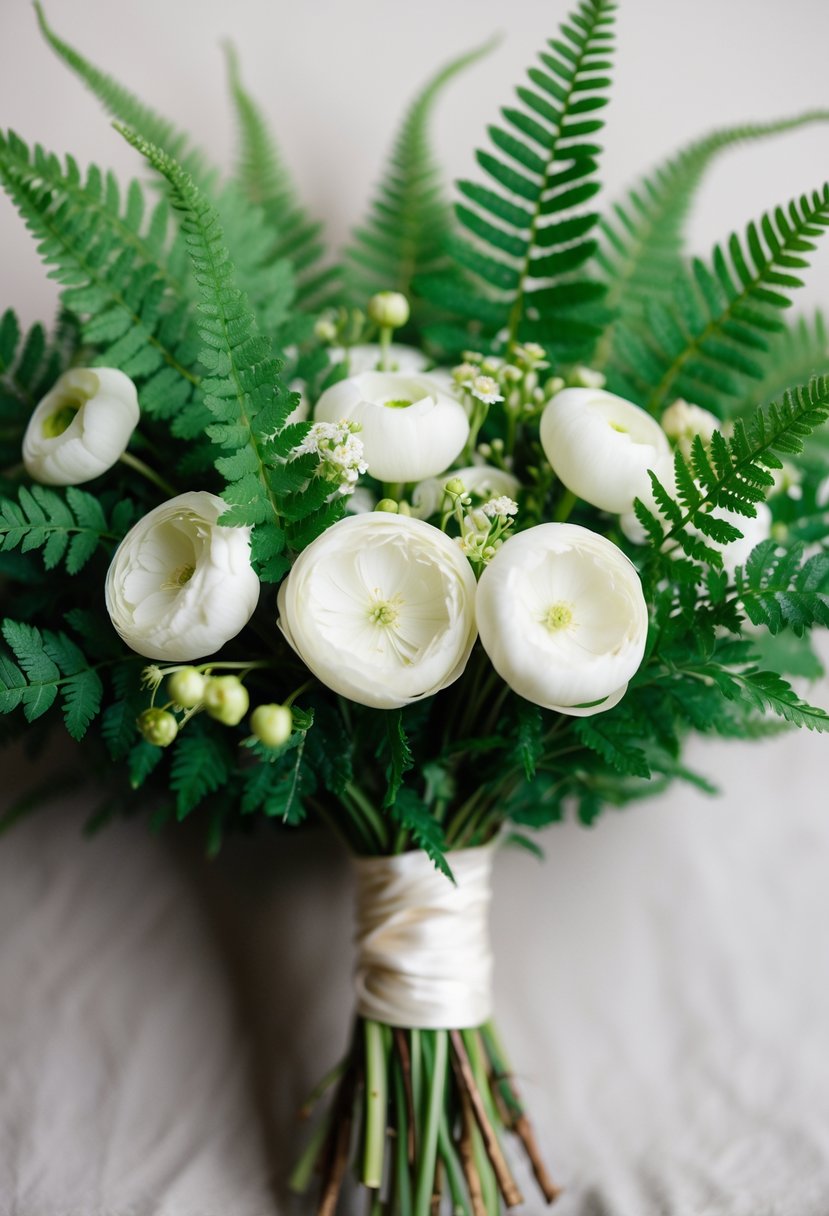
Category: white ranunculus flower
<point>683,421</point>
<point>381,608</point>
<point>482,481</point>
<point>81,427</point>
<point>562,616</point>
<point>602,446</point>
<point>366,357</point>
<point>410,429</point>
<point>180,585</point>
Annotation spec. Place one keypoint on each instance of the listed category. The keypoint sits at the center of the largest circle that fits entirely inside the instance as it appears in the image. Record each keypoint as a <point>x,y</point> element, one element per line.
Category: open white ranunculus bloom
<point>562,616</point>
<point>602,446</point>
<point>81,427</point>
<point>482,481</point>
<point>381,608</point>
<point>180,585</point>
<point>410,427</point>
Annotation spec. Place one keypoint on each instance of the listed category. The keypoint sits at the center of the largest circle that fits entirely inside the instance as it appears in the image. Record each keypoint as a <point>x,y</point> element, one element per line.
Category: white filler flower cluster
<point>340,452</point>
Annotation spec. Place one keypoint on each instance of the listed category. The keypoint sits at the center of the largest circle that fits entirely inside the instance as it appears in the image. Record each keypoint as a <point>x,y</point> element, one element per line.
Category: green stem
<point>565,507</point>
<point>376,1104</point>
<point>454,1172</point>
<point>385,342</point>
<point>403,1179</point>
<point>132,462</point>
<point>429,1140</point>
<point>300,1178</point>
<point>374,819</point>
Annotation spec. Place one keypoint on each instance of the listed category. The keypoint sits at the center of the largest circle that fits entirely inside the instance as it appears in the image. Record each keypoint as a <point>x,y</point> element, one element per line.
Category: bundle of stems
<point>420,1115</point>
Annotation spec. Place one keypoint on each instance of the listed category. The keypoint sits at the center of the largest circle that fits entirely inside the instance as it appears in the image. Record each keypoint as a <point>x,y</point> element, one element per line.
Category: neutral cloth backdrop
<point>663,979</point>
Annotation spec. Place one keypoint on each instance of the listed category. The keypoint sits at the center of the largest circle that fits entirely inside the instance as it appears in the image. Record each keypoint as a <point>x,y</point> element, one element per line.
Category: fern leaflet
<point>48,664</point>
<point>67,527</point>
<point>778,589</point>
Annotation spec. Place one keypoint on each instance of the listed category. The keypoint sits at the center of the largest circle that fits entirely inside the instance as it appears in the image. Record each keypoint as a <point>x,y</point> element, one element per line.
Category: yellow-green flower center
<point>398,404</point>
<point>61,419</point>
<point>384,612</point>
<point>616,426</point>
<point>558,616</point>
<point>179,578</point>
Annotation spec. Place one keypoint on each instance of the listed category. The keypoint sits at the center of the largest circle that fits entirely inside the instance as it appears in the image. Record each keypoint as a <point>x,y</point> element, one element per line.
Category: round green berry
<point>272,724</point>
<point>187,687</point>
<point>226,699</point>
<point>158,726</point>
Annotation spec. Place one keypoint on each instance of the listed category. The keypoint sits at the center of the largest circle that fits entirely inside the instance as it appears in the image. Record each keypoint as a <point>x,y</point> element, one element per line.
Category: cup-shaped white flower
<point>381,608</point>
<point>410,428</point>
<point>482,481</point>
<point>81,427</point>
<point>562,616</point>
<point>180,585</point>
<point>602,446</point>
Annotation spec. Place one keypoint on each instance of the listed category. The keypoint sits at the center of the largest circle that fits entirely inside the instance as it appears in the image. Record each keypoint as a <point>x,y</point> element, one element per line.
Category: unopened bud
<point>272,724</point>
<point>226,699</point>
<point>389,505</point>
<point>187,687</point>
<point>158,726</point>
<point>388,309</point>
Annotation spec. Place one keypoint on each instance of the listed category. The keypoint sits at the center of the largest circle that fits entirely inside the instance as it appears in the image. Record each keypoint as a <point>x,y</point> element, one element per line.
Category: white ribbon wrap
<point>423,954</point>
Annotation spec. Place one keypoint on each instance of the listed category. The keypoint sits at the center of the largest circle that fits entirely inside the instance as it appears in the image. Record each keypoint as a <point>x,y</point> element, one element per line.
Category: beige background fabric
<point>663,979</point>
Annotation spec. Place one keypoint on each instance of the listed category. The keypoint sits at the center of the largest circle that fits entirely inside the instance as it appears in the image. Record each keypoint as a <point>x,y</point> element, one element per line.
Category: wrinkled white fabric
<point>423,952</point>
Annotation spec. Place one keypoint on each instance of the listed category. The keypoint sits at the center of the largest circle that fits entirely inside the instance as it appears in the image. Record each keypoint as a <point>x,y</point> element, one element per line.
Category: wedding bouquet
<point>434,546</point>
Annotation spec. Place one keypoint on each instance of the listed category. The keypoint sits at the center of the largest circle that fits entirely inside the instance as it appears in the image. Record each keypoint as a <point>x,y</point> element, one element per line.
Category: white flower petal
<point>180,585</point>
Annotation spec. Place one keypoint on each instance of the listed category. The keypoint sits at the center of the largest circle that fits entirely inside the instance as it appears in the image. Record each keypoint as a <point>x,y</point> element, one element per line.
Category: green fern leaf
<point>767,691</point>
<point>798,353</point>
<point>130,305</point>
<point>714,333</point>
<point>737,480</point>
<point>65,526</point>
<point>264,182</point>
<point>127,108</point>
<point>409,811</point>
<point>778,589</point>
<point>202,762</point>
<point>408,220</point>
<point>611,739</point>
<point>642,239</point>
<point>49,663</point>
<point>531,262</point>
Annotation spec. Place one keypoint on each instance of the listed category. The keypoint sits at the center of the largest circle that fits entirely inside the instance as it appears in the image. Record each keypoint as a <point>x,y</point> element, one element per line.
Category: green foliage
<point>67,526</point>
<point>202,762</point>
<point>47,664</point>
<point>611,739</point>
<point>529,265</point>
<point>643,239</point>
<point>799,352</point>
<point>408,220</point>
<point>766,690</point>
<point>127,108</point>
<point>243,394</point>
<point>779,589</point>
<point>410,812</point>
<point>732,475</point>
<point>29,367</point>
<point>400,756</point>
<point>119,279</point>
<point>264,182</point>
<point>714,333</point>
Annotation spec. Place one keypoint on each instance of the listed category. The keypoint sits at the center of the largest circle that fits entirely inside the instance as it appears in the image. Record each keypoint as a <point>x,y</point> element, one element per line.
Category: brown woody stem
<point>466,1081</point>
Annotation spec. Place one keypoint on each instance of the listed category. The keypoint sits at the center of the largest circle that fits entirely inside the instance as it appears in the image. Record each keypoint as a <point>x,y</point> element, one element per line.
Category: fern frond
<point>128,109</point>
<point>29,367</point>
<point>47,664</point>
<point>265,182</point>
<point>769,692</point>
<point>246,403</point>
<point>778,589</point>
<point>114,268</point>
<point>713,335</point>
<point>529,236</point>
<point>642,245</point>
<point>66,527</point>
<point>735,477</point>
<point>408,220</point>
<point>798,353</point>
<point>202,762</point>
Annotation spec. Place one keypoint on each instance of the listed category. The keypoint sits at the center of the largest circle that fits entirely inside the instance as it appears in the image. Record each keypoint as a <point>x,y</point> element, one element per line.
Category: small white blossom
<point>586,377</point>
<point>485,388</point>
<point>340,452</point>
<point>500,506</point>
<point>464,374</point>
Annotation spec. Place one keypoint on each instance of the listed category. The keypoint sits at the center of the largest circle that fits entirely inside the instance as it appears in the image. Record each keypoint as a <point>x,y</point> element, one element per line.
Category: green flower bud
<point>388,309</point>
<point>272,724</point>
<point>325,330</point>
<point>226,699</point>
<point>387,504</point>
<point>455,487</point>
<point>158,727</point>
<point>187,687</point>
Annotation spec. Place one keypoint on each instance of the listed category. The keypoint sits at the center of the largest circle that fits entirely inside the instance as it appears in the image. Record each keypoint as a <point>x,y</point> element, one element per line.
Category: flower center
<point>179,578</point>
<point>616,426</point>
<point>384,612</point>
<point>61,419</point>
<point>400,403</point>
<point>558,616</point>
